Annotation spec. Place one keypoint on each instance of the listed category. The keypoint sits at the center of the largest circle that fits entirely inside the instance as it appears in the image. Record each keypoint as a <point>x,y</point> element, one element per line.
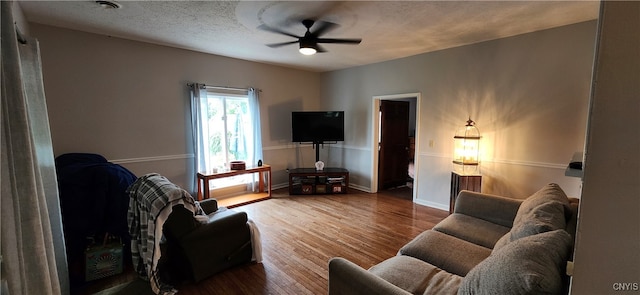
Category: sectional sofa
<point>489,245</point>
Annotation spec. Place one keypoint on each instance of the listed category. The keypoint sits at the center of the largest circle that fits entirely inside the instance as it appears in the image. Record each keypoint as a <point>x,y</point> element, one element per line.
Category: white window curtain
<point>254,110</point>
<point>198,105</point>
<point>201,109</point>
<point>33,250</point>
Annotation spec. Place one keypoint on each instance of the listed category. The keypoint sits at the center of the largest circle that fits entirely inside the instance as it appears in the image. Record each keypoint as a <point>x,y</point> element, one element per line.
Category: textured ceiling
<point>389,29</point>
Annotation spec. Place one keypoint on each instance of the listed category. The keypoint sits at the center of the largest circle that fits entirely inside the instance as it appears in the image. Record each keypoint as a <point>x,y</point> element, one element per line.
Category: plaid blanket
<point>151,198</point>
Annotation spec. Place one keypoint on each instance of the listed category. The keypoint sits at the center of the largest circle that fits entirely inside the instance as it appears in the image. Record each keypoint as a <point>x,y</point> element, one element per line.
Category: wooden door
<point>393,157</point>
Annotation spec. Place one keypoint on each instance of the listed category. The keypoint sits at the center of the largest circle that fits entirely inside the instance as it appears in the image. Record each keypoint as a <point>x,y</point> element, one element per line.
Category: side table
<point>470,182</point>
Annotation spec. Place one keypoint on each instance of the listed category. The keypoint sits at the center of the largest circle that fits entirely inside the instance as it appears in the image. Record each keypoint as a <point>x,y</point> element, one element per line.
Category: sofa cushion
<point>416,276</point>
<point>495,209</point>
<point>447,252</point>
<point>544,211</point>
<point>530,265</point>
<point>347,278</point>
<point>471,229</point>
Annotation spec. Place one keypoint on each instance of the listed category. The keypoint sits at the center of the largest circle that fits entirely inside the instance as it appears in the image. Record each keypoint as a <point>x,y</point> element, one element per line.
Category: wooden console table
<point>204,178</point>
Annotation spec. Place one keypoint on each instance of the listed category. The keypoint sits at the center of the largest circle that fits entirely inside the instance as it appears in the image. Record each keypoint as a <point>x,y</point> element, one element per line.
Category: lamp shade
<point>307,50</point>
<point>466,154</point>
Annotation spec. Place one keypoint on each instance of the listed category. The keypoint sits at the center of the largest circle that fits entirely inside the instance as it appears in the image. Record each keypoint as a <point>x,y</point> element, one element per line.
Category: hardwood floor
<point>301,233</point>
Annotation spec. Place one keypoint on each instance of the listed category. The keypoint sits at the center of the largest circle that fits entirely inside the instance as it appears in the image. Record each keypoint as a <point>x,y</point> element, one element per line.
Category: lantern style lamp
<point>466,154</point>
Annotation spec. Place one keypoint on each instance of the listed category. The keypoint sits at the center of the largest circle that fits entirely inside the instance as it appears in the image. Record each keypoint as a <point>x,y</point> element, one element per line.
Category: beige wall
<point>607,255</point>
<point>128,100</point>
<point>528,95</point>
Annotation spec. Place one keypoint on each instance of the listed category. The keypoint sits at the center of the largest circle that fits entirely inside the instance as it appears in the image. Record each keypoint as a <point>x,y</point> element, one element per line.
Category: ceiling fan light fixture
<point>310,42</point>
<point>307,50</point>
<point>307,47</point>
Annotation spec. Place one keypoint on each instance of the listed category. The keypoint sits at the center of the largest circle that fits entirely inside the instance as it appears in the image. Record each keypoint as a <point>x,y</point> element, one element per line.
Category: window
<point>227,133</point>
<point>229,125</point>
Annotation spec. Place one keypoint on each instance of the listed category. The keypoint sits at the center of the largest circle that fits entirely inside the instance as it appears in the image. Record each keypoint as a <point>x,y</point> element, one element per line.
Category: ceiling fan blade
<point>276,45</point>
<point>340,41</point>
<point>277,31</point>
<point>320,49</point>
<point>323,27</point>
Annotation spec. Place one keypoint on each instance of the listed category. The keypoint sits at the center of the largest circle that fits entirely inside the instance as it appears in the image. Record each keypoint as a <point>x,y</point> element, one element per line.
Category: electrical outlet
<point>431,143</point>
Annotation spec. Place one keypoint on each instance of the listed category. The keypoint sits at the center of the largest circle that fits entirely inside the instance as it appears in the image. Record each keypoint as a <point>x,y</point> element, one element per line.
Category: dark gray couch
<point>489,245</point>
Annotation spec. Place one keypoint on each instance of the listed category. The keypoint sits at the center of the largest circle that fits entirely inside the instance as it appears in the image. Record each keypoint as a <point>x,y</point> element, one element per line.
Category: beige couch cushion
<point>416,276</point>
<point>449,253</point>
<point>471,229</point>
<point>530,265</point>
<point>545,210</point>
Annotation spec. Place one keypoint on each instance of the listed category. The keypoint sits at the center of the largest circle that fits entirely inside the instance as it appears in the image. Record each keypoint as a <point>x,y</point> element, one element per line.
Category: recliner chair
<point>195,251</point>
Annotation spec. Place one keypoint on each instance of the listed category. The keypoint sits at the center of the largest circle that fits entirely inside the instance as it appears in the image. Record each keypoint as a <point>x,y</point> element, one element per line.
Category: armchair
<point>194,251</point>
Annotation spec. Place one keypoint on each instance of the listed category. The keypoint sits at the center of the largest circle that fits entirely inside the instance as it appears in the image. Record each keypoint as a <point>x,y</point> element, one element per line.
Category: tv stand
<point>309,181</point>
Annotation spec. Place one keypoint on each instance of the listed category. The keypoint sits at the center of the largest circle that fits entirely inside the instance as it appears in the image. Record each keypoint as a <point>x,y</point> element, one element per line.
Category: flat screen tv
<point>317,127</point>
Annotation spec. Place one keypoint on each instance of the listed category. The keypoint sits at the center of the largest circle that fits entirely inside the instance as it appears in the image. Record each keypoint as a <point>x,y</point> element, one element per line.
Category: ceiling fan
<point>309,43</point>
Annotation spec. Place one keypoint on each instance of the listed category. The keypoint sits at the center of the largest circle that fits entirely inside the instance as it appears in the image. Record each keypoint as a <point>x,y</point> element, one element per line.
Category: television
<point>317,127</point>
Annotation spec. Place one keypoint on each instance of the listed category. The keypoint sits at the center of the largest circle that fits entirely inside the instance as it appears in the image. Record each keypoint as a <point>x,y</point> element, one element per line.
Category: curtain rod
<point>225,88</point>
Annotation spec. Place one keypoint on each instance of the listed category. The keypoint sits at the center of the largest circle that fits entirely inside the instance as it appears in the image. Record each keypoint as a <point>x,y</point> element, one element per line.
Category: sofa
<point>489,245</point>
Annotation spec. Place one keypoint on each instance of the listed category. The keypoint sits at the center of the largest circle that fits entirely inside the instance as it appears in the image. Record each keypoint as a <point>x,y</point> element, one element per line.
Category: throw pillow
<point>549,193</point>
<point>545,210</point>
<point>543,218</point>
<point>530,265</point>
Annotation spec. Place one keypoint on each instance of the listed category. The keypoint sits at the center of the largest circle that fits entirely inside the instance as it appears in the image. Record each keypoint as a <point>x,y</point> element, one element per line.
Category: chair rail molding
<point>152,159</point>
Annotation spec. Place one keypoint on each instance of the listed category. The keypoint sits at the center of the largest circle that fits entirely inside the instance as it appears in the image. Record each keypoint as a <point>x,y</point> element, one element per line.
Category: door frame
<point>375,130</point>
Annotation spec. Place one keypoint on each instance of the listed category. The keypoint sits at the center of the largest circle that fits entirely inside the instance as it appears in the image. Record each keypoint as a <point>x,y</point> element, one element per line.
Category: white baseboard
<point>360,188</point>
<point>279,185</point>
<point>432,204</point>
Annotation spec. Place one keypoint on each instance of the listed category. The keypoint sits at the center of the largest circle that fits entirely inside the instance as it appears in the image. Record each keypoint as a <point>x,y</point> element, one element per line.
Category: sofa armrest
<point>345,277</point>
<point>492,208</point>
<point>209,206</point>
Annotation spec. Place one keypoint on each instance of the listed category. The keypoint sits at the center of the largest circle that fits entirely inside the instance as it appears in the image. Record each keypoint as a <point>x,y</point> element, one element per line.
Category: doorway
<point>395,124</point>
